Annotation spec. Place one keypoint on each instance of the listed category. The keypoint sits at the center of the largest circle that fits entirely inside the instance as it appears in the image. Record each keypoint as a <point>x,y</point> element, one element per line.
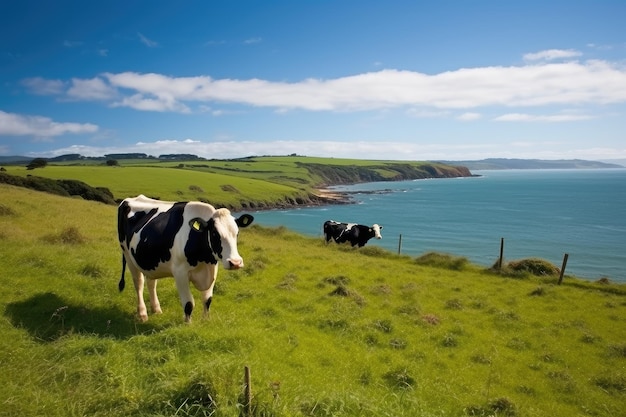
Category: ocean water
<point>538,213</point>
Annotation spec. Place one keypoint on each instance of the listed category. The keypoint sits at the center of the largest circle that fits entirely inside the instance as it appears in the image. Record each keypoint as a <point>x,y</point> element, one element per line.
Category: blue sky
<point>398,80</point>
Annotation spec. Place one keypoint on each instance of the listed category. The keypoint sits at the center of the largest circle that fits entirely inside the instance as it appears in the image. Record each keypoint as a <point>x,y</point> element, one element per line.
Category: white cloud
<point>536,85</point>
<point>41,86</point>
<point>148,42</point>
<point>552,54</point>
<point>12,124</point>
<point>522,117</point>
<point>159,104</point>
<point>569,83</point>
<point>91,89</point>
<point>252,41</point>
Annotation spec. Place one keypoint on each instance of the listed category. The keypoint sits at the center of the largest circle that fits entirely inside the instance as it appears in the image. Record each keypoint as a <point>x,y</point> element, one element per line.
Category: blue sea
<point>539,213</point>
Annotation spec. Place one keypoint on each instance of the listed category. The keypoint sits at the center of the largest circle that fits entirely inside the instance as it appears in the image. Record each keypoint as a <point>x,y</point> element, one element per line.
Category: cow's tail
<point>122,282</point>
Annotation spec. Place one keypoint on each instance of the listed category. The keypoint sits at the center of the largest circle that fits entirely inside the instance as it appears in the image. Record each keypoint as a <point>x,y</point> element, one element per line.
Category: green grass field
<point>171,183</point>
<point>258,182</point>
<point>325,330</point>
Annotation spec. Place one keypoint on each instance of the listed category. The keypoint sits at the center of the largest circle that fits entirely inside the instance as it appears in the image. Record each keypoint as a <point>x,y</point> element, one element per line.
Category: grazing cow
<point>356,234</point>
<point>180,239</point>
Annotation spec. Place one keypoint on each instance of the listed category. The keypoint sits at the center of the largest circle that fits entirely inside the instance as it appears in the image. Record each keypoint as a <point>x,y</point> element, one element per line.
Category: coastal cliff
<point>329,175</point>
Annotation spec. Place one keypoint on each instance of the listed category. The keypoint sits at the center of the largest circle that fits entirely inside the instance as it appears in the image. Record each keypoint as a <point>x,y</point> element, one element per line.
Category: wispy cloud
<point>148,42</point>
<point>522,117</point>
<point>591,82</point>
<point>552,54</point>
<point>72,44</point>
<point>43,87</point>
<point>12,124</point>
<point>91,89</point>
<point>252,41</point>
<point>158,104</point>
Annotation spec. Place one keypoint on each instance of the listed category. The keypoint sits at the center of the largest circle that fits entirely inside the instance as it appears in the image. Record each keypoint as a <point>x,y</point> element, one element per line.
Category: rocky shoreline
<point>323,195</point>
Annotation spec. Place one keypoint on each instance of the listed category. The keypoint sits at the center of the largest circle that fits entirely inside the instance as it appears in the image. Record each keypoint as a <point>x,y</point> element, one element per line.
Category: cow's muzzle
<point>235,263</point>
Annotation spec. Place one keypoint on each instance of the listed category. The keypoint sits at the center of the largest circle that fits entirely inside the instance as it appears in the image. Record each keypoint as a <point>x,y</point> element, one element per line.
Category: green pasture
<point>170,183</point>
<point>326,330</point>
<point>264,181</point>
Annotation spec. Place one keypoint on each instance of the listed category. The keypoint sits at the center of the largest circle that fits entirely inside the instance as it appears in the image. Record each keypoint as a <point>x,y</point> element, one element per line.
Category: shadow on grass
<point>48,317</point>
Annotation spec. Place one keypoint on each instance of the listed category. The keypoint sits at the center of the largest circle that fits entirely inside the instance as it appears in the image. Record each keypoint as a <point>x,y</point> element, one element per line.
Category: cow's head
<point>223,230</point>
<point>376,228</point>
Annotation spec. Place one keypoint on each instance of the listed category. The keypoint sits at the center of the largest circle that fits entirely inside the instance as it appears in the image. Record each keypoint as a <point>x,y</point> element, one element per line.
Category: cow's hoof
<point>142,318</point>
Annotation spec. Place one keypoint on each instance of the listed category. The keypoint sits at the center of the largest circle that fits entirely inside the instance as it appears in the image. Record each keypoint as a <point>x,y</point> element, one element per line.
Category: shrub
<point>37,163</point>
<point>534,266</point>
<point>442,260</point>
<point>63,188</point>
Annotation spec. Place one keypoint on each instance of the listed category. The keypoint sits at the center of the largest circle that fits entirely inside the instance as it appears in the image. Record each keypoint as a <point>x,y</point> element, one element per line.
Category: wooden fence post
<point>400,244</point>
<point>501,254</point>
<point>247,392</point>
<point>563,268</point>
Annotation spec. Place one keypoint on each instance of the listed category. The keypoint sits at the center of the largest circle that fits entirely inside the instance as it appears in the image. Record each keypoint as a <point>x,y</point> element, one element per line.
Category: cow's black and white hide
<point>184,240</point>
<point>356,234</point>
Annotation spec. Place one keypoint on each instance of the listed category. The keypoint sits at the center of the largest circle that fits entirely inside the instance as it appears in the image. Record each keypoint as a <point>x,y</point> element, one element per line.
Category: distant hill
<point>14,159</point>
<point>504,163</point>
<point>490,163</point>
<point>615,161</point>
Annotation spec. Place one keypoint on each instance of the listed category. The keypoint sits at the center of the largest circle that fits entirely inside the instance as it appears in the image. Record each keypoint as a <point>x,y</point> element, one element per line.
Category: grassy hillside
<point>243,183</point>
<point>325,330</point>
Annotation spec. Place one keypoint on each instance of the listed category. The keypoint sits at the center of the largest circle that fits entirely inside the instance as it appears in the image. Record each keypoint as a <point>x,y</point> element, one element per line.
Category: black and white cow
<point>180,239</point>
<point>356,234</point>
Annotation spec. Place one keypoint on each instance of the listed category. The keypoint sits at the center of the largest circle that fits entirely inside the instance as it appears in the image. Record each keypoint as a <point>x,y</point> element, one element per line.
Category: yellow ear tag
<point>196,225</point>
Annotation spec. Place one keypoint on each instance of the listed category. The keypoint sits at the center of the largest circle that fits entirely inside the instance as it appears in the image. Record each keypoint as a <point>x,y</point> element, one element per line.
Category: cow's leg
<point>184,292</point>
<point>204,280</point>
<point>207,296</point>
<point>138,280</point>
<point>154,299</point>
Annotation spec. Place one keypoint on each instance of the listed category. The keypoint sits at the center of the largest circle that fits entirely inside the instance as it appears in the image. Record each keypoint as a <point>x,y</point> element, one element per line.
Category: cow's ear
<point>197,224</point>
<point>244,220</point>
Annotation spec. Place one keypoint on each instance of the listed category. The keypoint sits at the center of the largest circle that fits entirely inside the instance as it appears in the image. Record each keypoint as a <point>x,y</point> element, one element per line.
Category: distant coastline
<point>505,163</point>
<point>480,164</point>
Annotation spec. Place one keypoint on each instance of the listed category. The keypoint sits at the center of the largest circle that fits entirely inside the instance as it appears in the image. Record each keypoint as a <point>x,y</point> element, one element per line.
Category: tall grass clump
<point>525,268</point>
<point>443,260</point>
